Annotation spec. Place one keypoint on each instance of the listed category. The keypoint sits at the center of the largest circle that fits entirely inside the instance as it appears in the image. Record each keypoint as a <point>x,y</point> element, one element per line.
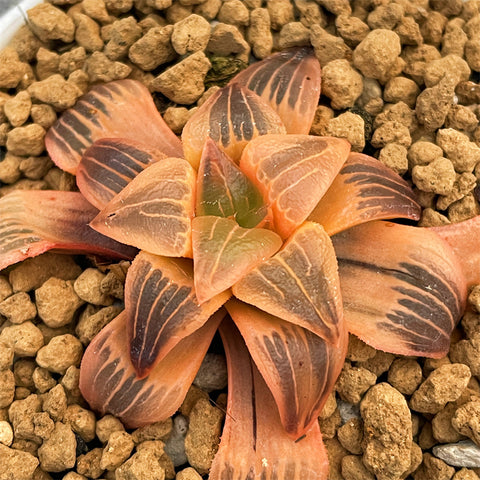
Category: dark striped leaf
<point>223,190</point>
<point>464,239</point>
<point>32,222</point>
<point>254,443</point>
<point>290,82</point>
<point>293,172</point>
<point>162,308</point>
<point>109,382</point>
<point>223,253</point>
<point>299,284</point>
<point>364,190</point>
<point>299,367</point>
<point>154,211</point>
<point>403,288</point>
<point>109,165</point>
<point>120,109</point>
<point>231,117</point>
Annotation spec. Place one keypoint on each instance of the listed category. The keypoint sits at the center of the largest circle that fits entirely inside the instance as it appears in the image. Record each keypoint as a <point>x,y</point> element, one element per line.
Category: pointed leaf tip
<point>223,252</point>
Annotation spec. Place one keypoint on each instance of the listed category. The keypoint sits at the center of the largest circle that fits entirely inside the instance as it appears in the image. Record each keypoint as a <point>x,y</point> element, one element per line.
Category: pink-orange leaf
<point>299,367</point>
<point>464,239</point>
<point>32,222</point>
<point>254,444</point>
<point>293,172</point>
<point>162,308</point>
<point>154,211</point>
<point>224,190</point>
<point>223,252</point>
<point>109,382</point>
<point>403,287</point>
<point>109,165</point>
<point>364,190</point>
<point>299,284</point>
<point>231,117</point>
<point>120,109</point>
<point>290,82</point>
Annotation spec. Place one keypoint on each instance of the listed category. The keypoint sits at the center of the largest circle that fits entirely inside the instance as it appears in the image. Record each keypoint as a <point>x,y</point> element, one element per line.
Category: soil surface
<point>400,82</point>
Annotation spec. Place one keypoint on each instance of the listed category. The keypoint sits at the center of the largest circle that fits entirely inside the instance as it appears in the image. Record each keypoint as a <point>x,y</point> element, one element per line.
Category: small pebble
<point>81,421</point>
<point>461,454</point>
<point>58,452</point>
<point>89,463</point>
<point>18,308</point>
<point>6,433</point>
<point>175,444</point>
<point>117,450</point>
<point>106,426</point>
<point>16,464</point>
<point>26,140</point>
<point>26,339</point>
<point>88,287</point>
<point>188,473</point>
<point>50,23</point>
<point>203,435</point>
<point>17,109</point>
<point>444,384</point>
<point>60,353</point>
<point>212,374</point>
<point>184,82</point>
<point>57,302</point>
<point>386,450</point>
<point>191,34</point>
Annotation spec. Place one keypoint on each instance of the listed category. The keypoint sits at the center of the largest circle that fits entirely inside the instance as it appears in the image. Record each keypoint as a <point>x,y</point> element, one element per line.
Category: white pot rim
<point>13,19</point>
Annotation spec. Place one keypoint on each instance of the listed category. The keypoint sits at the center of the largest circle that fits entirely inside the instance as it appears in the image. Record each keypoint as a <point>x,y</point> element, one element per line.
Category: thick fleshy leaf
<point>231,117</point>
<point>254,444</point>
<point>224,252</point>
<point>464,238</point>
<point>109,165</point>
<point>403,288</point>
<point>223,190</point>
<point>120,109</point>
<point>110,385</point>
<point>293,172</point>
<point>299,367</point>
<point>299,284</point>
<point>162,308</point>
<point>364,190</point>
<point>154,211</point>
<point>290,82</point>
<point>32,222</point>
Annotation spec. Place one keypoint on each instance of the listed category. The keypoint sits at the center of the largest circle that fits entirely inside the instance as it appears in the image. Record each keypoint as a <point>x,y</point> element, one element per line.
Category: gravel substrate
<point>400,82</point>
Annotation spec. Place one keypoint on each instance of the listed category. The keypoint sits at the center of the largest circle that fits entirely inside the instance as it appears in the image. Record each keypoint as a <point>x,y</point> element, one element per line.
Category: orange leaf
<point>293,172</point>
<point>231,117</point>
<point>403,288</point>
<point>154,211</point>
<point>290,82</point>
<point>162,308</point>
<point>109,165</point>
<point>120,109</point>
<point>254,444</point>
<point>364,190</point>
<point>299,284</point>
<point>34,221</point>
<point>224,252</point>
<point>109,383</point>
<point>299,367</point>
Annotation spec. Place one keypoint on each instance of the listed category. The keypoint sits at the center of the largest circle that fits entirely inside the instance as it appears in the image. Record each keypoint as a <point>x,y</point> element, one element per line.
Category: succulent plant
<point>248,224</point>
